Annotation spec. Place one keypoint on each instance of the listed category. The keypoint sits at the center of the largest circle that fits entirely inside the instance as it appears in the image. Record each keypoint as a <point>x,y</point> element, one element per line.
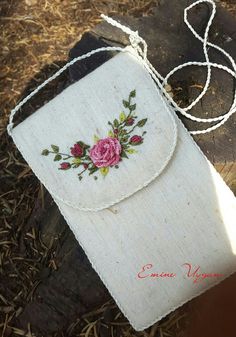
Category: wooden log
<point>74,287</point>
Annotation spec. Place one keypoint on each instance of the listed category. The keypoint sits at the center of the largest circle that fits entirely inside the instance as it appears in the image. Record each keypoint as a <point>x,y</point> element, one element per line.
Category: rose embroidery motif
<point>107,152</point>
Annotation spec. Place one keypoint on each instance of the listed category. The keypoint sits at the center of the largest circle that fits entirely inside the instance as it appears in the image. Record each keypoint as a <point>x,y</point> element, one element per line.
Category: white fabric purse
<point>155,219</point>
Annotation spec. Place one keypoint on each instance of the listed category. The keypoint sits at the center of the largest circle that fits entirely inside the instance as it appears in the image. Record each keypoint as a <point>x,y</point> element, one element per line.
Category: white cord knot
<point>134,37</point>
<point>136,40</point>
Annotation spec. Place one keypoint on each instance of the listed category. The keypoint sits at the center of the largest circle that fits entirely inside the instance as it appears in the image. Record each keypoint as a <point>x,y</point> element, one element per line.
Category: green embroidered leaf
<point>123,132</point>
<point>124,139</point>
<point>132,93</point>
<point>76,161</point>
<point>123,155</point>
<point>57,157</point>
<point>96,138</point>
<point>125,103</point>
<point>93,169</point>
<point>116,123</point>
<point>55,148</point>
<point>45,152</point>
<point>84,146</point>
<point>104,170</point>
<point>132,107</point>
<point>110,134</point>
<point>122,116</point>
<point>142,122</point>
<point>80,177</point>
<point>131,150</point>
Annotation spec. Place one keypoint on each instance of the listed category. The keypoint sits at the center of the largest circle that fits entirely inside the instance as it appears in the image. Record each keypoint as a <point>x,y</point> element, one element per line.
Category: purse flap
<point>103,138</point>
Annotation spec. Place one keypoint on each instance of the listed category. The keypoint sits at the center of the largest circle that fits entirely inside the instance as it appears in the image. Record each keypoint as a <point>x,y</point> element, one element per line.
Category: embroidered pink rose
<point>106,152</point>
<point>77,150</point>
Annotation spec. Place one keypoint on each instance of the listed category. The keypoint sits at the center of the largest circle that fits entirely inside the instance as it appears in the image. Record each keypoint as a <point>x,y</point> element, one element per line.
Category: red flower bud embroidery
<point>65,166</point>
<point>136,140</point>
<point>129,121</point>
<point>107,152</point>
<point>76,150</point>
